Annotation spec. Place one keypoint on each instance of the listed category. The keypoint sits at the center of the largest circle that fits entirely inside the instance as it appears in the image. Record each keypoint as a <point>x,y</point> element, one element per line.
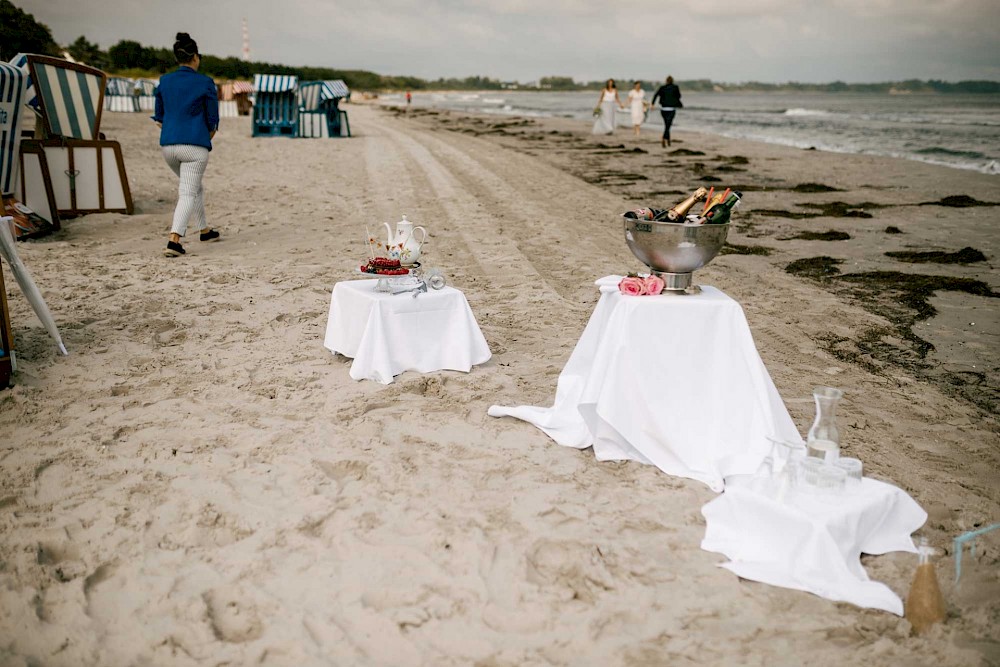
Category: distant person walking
<point>605,110</point>
<point>187,111</point>
<point>669,96</point>
<point>409,98</point>
<point>637,106</point>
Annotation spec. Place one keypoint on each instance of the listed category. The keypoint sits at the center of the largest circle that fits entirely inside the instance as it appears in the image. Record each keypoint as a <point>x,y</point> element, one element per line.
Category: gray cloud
<point>725,40</point>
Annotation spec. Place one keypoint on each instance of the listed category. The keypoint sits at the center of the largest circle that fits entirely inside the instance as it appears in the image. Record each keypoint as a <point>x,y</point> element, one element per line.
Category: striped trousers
<point>189,163</point>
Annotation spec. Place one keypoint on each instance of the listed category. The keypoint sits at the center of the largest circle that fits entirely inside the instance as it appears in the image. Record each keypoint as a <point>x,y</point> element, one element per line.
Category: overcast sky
<point>724,40</point>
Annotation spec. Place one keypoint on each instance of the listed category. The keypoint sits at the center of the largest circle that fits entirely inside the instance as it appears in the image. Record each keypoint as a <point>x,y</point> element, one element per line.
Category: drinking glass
<point>818,476</point>
<point>435,279</point>
<point>853,468</point>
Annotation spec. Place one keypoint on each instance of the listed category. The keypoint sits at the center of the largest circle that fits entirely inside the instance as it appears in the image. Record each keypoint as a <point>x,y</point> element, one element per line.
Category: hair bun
<point>183,37</point>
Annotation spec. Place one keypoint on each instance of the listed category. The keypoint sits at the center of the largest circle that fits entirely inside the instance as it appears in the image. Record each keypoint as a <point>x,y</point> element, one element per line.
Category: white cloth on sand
<point>387,334</point>
<point>670,380</point>
<point>813,542</point>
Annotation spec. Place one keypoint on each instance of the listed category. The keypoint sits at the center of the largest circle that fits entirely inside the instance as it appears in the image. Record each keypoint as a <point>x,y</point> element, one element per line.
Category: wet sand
<point>200,482</point>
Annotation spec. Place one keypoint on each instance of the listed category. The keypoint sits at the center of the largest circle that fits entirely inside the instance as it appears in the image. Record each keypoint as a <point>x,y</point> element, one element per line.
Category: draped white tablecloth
<point>672,380</point>
<point>814,543</point>
<point>387,334</point>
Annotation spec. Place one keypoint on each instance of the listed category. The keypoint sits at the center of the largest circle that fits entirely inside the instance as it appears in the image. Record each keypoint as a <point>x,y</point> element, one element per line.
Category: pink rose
<point>632,286</point>
<point>654,284</point>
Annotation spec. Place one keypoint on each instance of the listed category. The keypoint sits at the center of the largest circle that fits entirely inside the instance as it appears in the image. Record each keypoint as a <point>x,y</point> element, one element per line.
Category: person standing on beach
<point>605,111</point>
<point>669,96</point>
<point>409,98</point>
<point>187,111</point>
<point>637,105</point>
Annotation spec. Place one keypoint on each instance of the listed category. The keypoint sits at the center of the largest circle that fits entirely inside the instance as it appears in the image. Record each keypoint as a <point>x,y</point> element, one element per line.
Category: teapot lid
<point>404,219</point>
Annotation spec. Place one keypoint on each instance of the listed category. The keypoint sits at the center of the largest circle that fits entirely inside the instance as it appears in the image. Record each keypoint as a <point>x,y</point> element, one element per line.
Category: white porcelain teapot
<point>402,245</point>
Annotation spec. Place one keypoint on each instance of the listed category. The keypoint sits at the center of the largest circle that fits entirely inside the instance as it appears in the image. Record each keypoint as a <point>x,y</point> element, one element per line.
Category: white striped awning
<point>70,96</point>
<point>119,86</point>
<point>12,87</point>
<point>274,83</point>
<point>312,94</point>
<point>20,61</point>
<point>339,88</point>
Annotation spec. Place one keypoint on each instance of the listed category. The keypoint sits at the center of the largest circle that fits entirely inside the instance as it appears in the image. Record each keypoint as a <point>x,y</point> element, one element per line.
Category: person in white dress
<point>637,106</point>
<point>604,122</point>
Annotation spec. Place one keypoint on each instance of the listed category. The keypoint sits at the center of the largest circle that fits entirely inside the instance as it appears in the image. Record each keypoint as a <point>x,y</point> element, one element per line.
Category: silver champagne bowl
<point>674,250</point>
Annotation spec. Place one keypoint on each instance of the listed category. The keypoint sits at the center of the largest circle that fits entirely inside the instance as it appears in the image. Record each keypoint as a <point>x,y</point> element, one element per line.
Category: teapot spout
<point>388,234</point>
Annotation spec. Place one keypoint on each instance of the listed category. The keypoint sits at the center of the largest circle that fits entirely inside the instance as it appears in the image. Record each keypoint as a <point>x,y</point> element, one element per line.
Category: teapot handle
<point>423,233</point>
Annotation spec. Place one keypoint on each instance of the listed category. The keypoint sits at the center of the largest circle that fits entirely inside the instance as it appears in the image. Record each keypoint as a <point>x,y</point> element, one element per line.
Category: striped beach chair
<point>70,97</point>
<point>118,95</point>
<point>20,61</point>
<point>74,168</point>
<point>319,111</point>
<point>276,109</point>
<point>24,222</point>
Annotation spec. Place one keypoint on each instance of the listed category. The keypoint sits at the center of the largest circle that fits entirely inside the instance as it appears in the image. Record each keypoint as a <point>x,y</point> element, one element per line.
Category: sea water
<point>954,130</point>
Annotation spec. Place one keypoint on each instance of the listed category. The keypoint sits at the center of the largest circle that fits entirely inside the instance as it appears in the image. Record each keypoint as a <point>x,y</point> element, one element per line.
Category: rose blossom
<point>632,286</point>
<point>654,284</point>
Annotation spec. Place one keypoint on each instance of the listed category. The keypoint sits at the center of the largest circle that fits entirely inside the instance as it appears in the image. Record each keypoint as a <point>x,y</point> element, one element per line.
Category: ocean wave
<point>798,111</point>
<point>939,150</point>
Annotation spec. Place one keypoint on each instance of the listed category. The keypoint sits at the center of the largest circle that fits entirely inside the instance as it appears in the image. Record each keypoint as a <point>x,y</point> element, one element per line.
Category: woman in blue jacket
<point>187,111</point>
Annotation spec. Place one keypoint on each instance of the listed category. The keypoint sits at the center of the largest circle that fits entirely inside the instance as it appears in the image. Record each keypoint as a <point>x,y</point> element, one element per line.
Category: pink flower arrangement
<point>635,285</point>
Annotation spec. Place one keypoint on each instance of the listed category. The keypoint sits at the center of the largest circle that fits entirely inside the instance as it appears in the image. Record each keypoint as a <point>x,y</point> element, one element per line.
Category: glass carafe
<point>823,440</point>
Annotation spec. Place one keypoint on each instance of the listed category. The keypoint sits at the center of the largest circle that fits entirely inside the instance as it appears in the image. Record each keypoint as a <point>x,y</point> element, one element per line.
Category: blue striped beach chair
<point>276,109</point>
<point>319,109</point>
<point>70,97</point>
<point>127,95</point>
<point>20,61</point>
<point>24,223</point>
<point>13,87</point>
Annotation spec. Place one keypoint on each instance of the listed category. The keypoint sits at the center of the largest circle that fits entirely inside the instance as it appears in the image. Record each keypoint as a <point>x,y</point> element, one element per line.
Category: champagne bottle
<point>677,213</point>
<point>720,213</point>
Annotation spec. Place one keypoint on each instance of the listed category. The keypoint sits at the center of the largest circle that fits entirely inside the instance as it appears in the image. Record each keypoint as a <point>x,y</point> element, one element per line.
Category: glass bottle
<point>823,440</point>
<point>677,213</point>
<point>924,605</point>
<point>719,214</point>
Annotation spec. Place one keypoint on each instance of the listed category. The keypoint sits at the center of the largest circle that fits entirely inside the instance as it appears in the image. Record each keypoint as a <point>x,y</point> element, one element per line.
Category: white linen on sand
<point>670,380</point>
<point>387,334</point>
<point>814,543</point>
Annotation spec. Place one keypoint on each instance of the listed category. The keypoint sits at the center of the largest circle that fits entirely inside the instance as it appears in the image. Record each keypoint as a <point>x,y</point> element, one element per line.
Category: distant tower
<point>246,42</point>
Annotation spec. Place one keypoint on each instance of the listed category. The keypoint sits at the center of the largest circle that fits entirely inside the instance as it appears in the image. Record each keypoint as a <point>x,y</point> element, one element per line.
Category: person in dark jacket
<point>669,96</point>
<point>187,111</point>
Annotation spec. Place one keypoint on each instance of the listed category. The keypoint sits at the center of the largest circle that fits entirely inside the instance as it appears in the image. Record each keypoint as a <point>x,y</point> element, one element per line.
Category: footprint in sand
<point>232,615</point>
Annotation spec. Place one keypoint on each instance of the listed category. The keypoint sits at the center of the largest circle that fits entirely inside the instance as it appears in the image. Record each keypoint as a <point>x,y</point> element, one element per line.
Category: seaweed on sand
<point>958,201</point>
<point>814,187</point>
<point>831,235</point>
<point>966,255</point>
<point>733,249</point>
<point>892,229</point>
<point>815,267</point>
<point>903,299</point>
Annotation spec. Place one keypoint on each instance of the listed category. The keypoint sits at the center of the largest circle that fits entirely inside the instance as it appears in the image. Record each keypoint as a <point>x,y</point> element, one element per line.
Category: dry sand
<point>201,483</point>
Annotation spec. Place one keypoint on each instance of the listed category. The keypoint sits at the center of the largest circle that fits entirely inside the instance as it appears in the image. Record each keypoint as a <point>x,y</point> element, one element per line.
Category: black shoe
<point>173,249</point>
<point>210,236</point>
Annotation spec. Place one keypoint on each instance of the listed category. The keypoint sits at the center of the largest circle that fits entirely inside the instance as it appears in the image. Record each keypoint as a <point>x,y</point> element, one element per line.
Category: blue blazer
<point>187,105</point>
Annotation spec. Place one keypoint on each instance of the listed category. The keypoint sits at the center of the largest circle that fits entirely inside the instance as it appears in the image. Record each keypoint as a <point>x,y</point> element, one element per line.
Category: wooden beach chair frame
<point>35,183</point>
<point>6,338</point>
<point>107,161</point>
<point>58,118</point>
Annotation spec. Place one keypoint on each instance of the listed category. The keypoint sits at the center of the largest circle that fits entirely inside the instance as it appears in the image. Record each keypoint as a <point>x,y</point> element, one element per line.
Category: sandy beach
<point>201,483</point>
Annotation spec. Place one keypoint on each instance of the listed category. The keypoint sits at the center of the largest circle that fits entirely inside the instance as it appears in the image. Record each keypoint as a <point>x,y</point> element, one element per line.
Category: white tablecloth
<point>387,334</point>
<point>814,543</point>
<point>670,380</point>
